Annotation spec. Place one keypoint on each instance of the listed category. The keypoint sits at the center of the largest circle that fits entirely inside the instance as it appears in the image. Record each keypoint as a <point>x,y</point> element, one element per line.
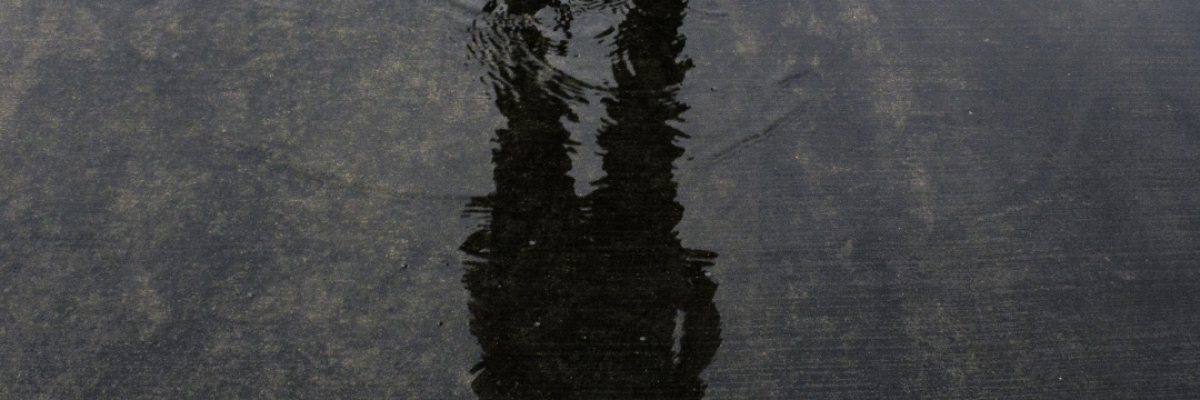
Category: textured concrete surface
<point>899,199</point>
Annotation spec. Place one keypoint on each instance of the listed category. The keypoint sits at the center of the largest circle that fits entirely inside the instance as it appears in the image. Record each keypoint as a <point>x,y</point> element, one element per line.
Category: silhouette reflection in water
<point>587,297</point>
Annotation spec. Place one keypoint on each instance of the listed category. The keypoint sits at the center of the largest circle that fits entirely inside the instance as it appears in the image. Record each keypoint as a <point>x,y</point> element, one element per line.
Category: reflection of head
<point>593,297</point>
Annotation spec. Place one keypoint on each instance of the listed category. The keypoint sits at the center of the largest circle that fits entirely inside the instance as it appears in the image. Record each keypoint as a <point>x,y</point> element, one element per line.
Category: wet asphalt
<point>443,199</point>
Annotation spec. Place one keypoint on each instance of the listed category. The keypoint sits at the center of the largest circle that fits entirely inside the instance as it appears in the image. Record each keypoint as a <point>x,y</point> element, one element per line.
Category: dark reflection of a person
<point>592,297</point>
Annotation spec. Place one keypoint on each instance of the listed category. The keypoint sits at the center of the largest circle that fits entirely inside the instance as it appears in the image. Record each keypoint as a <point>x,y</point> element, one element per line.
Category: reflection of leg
<point>524,252</point>
<point>701,329</point>
<point>636,198</point>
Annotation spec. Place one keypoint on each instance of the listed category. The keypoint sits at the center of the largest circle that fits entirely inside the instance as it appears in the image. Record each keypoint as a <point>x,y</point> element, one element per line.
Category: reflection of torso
<point>587,297</point>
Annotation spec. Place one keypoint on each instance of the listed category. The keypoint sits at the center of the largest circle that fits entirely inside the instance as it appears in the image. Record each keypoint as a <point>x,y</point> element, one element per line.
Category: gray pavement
<point>893,199</point>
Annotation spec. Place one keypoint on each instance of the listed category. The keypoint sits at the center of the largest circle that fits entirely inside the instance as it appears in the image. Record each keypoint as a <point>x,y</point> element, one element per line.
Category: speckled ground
<point>907,199</point>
